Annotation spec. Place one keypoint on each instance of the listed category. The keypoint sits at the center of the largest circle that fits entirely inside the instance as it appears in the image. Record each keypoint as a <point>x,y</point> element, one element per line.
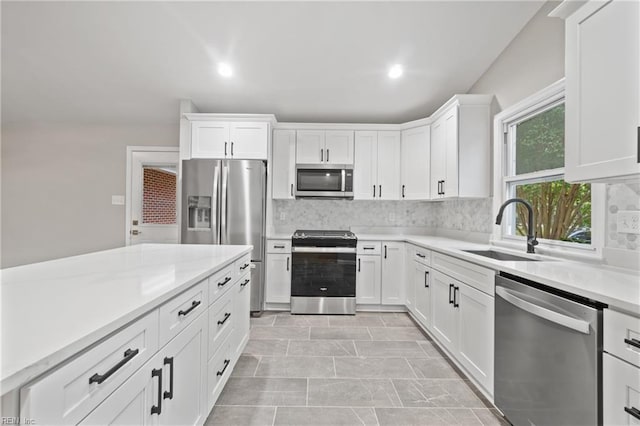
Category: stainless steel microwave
<point>324,181</point>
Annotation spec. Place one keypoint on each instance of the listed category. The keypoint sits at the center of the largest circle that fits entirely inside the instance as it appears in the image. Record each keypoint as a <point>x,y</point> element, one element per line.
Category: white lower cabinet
<point>242,308</point>
<point>278,287</point>
<point>393,276</point>
<point>368,280</point>
<point>422,291</point>
<point>444,318</point>
<point>620,392</point>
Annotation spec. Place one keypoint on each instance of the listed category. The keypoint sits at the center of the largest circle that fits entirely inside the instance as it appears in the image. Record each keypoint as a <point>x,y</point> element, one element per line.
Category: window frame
<point>505,179</point>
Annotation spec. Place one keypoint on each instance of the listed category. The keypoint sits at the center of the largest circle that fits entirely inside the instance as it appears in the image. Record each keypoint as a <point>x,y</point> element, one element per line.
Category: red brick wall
<point>159,197</point>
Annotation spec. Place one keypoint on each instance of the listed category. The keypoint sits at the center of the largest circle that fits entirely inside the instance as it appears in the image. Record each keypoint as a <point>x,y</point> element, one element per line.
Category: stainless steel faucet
<point>532,242</point>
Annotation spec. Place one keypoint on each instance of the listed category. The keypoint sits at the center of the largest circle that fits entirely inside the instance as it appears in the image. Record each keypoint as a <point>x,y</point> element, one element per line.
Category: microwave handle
<point>344,177</point>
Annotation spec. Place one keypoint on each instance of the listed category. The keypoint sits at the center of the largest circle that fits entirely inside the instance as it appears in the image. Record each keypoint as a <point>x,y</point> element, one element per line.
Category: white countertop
<point>52,310</point>
<point>620,289</point>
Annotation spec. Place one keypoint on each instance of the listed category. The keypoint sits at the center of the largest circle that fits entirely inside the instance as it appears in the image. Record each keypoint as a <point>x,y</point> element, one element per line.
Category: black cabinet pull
<point>232,149</point>
<point>226,317</point>
<point>456,290</point>
<point>292,190</point>
<point>633,411</point>
<point>245,266</point>
<point>226,280</point>
<point>169,394</point>
<point>359,265</point>
<point>442,187</point>
<point>450,296</point>
<point>421,255</point>
<point>369,248</point>
<point>426,277</point>
<point>226,364</point>
<point>380,191</point>
<point>278,246</point>
<point>321,155</point>
<point>225,149</point>
<point>402,191</point>
<point>374,191</point>
<point>157,409</point>
<point>245,282</point>
<point>385,251</point>
<point>287,263</point>
<point>633,342</point>
<point>327,155</point>
<point>194,305</point>
<point>128,356</point>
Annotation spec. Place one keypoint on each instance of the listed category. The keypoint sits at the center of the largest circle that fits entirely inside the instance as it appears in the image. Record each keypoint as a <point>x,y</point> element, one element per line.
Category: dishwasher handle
<point>542,312</point>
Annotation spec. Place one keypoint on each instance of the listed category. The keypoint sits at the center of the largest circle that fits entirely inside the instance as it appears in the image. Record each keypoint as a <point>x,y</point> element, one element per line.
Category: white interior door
<point>152,203</point>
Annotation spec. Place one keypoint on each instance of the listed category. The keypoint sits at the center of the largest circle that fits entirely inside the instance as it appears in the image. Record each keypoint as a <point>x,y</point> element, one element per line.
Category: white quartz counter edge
<point>22,362</point>
<point>618,289</point>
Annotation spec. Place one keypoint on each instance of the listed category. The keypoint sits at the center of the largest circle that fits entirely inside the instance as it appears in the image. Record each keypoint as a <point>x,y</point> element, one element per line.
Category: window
<point>533,169</point>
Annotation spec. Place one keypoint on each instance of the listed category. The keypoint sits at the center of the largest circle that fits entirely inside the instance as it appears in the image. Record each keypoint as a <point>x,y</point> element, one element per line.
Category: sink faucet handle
<point>534,240</point>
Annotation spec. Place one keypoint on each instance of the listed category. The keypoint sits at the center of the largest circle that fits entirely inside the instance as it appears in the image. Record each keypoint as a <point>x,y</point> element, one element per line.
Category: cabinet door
<point>450,185</point>
<point>368,280</point>
<point>620,390</point>
<point>310,147</point>
<point>365,168</point>
<point>414,165</point>
<point>184,376</point>
<point>602,119</point>
<point>388,165</point>
<point>475,334</point>
<point>130,404</point>
<point>209,139</point>
<point>278,278</point>
<point>438,158</point>
<point>422,285</point>
<point>283,164</point>
<point>443,314</point>
<point>410,287</point>
<point>338,147</point>
<point>393,288</point>
<point>249,140</point>
<point>242,310</point>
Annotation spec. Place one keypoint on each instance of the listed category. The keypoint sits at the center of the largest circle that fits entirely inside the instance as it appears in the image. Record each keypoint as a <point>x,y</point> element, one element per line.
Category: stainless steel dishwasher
<point>548,355</point>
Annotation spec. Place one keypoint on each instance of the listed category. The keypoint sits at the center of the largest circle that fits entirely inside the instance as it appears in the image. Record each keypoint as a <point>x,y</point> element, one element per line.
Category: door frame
<point>127,203</point>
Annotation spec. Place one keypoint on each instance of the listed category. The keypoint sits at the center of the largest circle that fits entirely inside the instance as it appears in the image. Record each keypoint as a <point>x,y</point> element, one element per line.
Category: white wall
<point>57,183</point>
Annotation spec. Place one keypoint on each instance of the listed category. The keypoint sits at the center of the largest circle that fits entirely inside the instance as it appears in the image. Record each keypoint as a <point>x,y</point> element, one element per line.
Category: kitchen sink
<point>500,256</point>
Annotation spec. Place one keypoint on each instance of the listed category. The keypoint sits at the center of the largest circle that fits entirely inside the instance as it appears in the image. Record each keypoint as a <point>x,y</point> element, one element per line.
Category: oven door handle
<point>323,249</point>
<point>542,312</point>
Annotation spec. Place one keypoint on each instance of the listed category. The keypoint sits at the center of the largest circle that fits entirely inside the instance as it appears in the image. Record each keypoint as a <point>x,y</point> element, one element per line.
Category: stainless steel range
<point>323,272</point>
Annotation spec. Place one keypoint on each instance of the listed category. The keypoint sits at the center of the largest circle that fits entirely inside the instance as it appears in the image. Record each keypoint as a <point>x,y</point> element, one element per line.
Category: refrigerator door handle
<point>215,225</point>
<point>224,204</point>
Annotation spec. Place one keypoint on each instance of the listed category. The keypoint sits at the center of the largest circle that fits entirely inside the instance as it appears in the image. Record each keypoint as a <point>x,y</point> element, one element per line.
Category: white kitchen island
<point>65,323</point>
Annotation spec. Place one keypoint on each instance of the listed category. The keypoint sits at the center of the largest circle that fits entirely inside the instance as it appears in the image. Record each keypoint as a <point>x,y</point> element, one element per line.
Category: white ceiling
<point>131,62</point>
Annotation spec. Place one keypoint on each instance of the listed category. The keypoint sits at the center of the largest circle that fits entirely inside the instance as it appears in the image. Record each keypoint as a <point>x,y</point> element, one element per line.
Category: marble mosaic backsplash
<point>465,215</point>
<point>621,197</point>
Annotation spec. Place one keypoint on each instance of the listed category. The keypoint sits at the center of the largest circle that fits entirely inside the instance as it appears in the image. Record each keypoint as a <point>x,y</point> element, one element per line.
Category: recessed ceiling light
<point>225,70</point>
<point>395,71</point>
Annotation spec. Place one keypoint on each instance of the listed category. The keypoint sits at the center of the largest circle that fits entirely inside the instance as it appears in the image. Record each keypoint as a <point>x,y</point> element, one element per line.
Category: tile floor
<point>367,369</point>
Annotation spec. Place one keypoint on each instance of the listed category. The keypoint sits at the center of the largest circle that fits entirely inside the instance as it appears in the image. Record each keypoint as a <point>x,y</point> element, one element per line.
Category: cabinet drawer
<point>279,246</point>
<point>180,311</point>
<point>620,392</point>
<point>242,266</point>
<point>476,276</point>
<point>622,336</point>
<point>421,255</point>
<point>218,370</point>
<point>369,247</point>
<point>220,282</point>
<point>71,392</point>
<point>221,321</point>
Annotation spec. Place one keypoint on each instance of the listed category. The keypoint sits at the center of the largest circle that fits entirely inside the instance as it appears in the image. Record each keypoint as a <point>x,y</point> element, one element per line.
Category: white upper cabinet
<point>324,147</point>
<point>377,163</point>
<point>414,164</point>
<point>460,148</point>
<point>602,115</point>
<point>283,164</point>
<point>223,139</point>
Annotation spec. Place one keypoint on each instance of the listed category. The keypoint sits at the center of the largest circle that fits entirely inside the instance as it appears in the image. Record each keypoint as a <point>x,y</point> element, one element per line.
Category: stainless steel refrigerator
<point>223,202</point>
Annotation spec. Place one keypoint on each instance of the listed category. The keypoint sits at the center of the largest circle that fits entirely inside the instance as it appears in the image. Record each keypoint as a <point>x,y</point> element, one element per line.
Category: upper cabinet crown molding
<point>199,116</point>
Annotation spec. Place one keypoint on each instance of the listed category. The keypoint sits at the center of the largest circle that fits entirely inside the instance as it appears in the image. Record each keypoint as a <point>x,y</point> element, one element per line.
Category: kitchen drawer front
<point>480,278</point>
<point>180,311</point>
<point>220,282</point>
<point>218,370</point>
<point>279,246</point>
<point>622,336</point>
<point>221,321</point>
<point>242,266</point>
<point>71,392</point>
<point>621,392</point>
<point>421,255</point>
<point>369,247</point>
